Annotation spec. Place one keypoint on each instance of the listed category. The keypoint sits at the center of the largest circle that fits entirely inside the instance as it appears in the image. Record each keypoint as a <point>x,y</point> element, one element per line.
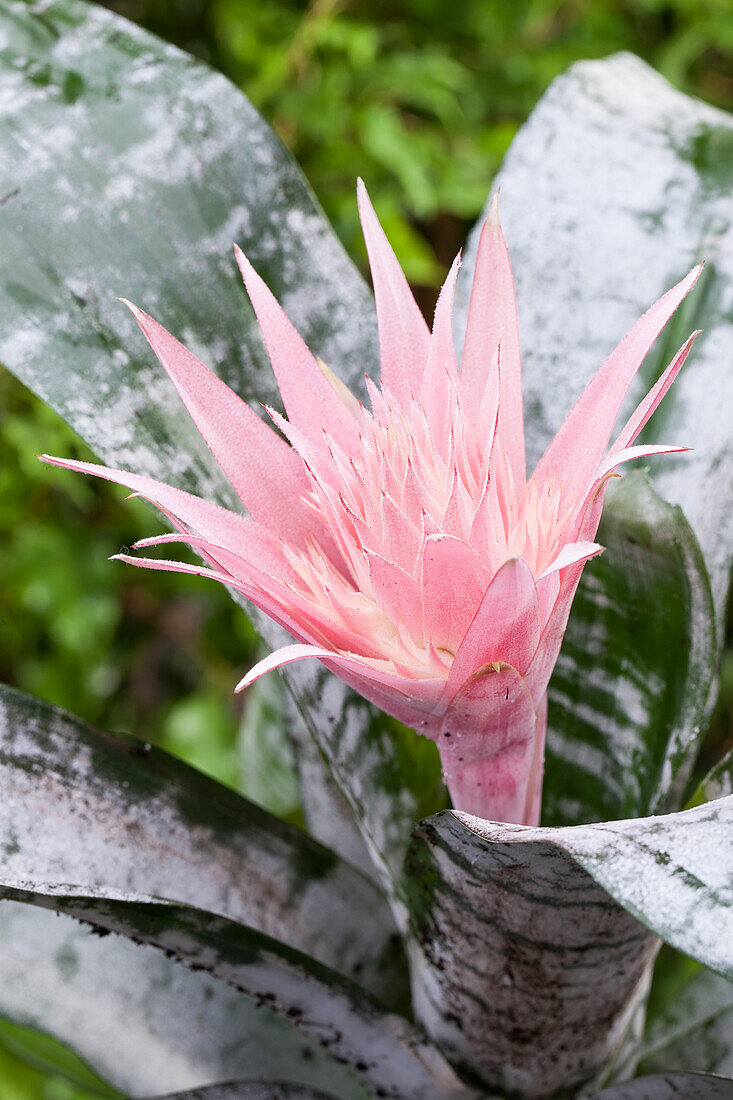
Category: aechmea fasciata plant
<point>402,544</point>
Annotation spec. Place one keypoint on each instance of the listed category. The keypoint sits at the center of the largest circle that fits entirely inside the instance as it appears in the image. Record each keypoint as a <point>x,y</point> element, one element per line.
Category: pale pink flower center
<point>400,486</point>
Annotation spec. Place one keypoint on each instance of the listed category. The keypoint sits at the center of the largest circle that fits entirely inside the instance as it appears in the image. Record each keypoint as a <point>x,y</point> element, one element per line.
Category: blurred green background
<point>422,99</point>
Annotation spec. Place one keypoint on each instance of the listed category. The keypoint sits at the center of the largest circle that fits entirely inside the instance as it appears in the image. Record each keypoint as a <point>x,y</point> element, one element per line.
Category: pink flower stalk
<point>403,545</point>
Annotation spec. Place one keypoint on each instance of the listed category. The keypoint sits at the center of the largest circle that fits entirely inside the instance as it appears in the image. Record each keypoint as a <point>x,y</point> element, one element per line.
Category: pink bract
<point>403,545</point>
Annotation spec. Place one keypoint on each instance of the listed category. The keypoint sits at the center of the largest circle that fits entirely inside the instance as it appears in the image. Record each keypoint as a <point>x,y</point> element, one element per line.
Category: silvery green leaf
<point>105,812</point>
<point>514,926</point>
<point>265,749</point>
<point>671,1086</point>
<point>611,191</point>
<point>248,1090</point>
<point>386,1053</point>
<point>104,127</point>
<point>142,1021</point>
<point>674,873</point>
<point>696,1030</point>
<point>512,939</point>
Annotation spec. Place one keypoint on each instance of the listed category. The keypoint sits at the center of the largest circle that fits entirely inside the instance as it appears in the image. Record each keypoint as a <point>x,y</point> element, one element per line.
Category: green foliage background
<point>422,99</point>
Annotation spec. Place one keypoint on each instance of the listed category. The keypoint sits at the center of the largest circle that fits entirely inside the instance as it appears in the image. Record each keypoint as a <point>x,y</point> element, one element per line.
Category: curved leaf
<point>671,1086</point>
<point>513,940</point>
<point>674,873</point>
<point>145,1023</point>
<point>382,1050</point>
<point>516,930</point>
<point>629,693</point>
<point>247,1090</point>
<point>106,812</point>
<point>46,1055</point>
<point>695,1032</point>
<point>635,189</point>
<point>718,783</point>
<point>103,125</point>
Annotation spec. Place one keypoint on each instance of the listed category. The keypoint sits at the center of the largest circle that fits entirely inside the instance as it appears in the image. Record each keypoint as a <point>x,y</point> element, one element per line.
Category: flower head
<point>401,544</point>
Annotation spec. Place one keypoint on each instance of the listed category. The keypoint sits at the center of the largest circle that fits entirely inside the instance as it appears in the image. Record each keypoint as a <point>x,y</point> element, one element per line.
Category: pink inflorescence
<point>402,544</point>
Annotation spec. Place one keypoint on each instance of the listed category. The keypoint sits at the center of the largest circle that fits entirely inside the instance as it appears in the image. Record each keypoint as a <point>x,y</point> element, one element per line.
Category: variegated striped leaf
<point>108,813</point>
<point>671,1086</point>
<point>386,1053</point>
<point>544,938</point>
<point>144,1022</point>
<point>513,940</point>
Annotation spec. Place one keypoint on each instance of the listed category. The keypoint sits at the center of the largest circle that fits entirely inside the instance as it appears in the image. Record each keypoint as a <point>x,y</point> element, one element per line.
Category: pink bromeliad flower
<point>403,545</point>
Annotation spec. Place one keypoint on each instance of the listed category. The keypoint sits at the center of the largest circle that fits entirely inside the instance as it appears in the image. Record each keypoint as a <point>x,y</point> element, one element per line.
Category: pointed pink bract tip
<point>140,316</point>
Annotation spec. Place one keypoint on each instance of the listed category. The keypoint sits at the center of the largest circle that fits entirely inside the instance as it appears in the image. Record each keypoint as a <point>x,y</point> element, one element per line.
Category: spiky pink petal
<point>235,532</point>
<point>398,593</point>
<point>505,627</point>
<point>264,471</point>
<point>571,554</point>
<point>492,322</point>
<point>404,339</point>
<point>439,386</point>
<point>641,415</point>
<point>310,400</point>
<point>578,447</point>
<point>452,582</point>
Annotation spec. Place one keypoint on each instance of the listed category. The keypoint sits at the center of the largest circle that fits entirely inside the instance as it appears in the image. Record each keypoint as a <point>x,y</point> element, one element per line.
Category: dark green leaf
<point>107,813</point>
<point>141,1020</point>
<point>385,1052</point>
<point>629,692</point>
<point>48,1056</point>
